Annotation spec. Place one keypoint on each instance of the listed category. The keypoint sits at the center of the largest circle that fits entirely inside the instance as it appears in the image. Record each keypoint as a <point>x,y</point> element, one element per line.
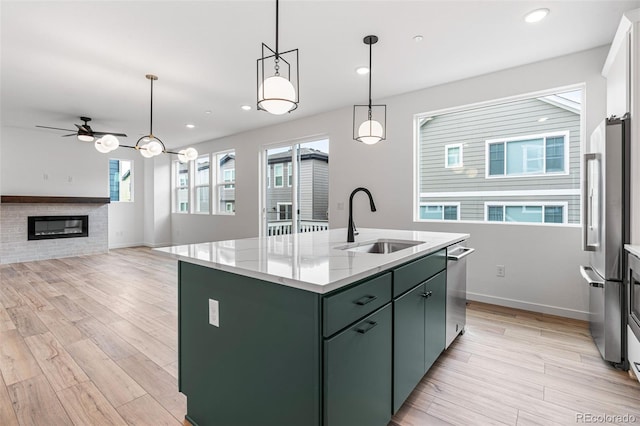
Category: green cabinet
<point>419,334</point>
<point>357,373</point>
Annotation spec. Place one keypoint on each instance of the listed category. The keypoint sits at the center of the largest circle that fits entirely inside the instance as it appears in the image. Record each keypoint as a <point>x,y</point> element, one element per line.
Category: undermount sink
<point>381,246</point>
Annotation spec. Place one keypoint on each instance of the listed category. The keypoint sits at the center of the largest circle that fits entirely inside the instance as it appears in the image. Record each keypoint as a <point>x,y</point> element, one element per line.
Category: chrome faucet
<point>351,228</point>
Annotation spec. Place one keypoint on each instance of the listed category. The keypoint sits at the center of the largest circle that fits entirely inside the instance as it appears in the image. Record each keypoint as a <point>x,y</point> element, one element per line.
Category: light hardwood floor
<point>91,340</point>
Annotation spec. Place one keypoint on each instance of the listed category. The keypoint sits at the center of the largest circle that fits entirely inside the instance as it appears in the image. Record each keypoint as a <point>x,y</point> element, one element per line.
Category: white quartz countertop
<point>309,261</point>
<point>634,250</point>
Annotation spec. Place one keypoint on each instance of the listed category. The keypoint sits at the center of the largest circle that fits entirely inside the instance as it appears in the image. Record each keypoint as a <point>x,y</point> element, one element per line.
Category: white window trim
<point>285,203</point>
<point>196,186</point>
<point>446,156</point>
<point>289,174</point>
<point>220,184</point>
<point>442,204</point>
<point>275,175</point>
<point>543,136</point>
<point>563,204</point>
<point>176,166</point>
<point>226,207</point>
<point>132,179</point>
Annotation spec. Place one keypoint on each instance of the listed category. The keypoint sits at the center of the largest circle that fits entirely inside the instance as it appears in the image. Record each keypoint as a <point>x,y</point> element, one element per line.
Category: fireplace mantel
<point>31,199</point>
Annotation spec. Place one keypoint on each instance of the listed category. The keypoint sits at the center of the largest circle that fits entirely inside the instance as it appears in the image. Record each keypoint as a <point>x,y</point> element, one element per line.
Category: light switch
<point>214,313</point>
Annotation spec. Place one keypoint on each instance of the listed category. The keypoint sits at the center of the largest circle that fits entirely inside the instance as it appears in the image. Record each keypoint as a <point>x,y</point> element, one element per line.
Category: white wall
<point>541,262</point>
<point>40,162</point>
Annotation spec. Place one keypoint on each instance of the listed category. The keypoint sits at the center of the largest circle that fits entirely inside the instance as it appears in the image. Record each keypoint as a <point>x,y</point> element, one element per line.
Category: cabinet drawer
<point>342,309</point>
<point>408,276</point>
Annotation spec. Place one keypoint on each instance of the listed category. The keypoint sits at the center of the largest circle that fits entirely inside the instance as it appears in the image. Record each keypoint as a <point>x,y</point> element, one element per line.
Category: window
<point>121,180</point>
<point>226,182</point>
<point>289,174</point>
<point>182,187</point>
<point>202,184</point>
<point>453,156</point>
<point>268,176</point>
<point>528,213</point>
<point>285,211</point>
<point>529,155</point>
<point>434,211</point>
<point>229,176</point>
<point>278,175</point>
<point>508,160</point>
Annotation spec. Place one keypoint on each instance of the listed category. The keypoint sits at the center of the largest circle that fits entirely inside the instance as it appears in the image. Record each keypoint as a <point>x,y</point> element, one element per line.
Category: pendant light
<point>369,121</point>
<point>150,145</point>
<point>278,75</point>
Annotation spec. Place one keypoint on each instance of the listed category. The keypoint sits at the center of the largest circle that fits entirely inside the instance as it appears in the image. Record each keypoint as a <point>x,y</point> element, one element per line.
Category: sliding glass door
<point>296,188</point>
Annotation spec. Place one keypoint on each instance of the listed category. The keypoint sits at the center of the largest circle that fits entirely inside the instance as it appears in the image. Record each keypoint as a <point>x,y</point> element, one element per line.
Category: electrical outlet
<point>214,313</point>
<point>45,176</point>
<point>500,270</point>
<point>70,179</point>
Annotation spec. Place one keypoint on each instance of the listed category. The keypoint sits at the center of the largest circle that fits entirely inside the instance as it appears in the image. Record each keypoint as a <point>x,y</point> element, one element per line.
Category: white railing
<point>282,227</point>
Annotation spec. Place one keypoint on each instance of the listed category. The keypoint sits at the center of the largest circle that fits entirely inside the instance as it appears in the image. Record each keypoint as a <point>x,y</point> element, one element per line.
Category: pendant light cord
<point>370,72</point>
<point>277,51</point>
<point>151,113</point>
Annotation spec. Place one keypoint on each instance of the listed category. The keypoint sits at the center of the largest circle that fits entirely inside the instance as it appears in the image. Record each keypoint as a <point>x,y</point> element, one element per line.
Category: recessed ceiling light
<point>542,119</point>
<point>362,70</point>
<point>536,16</point>
<point>190,126</point>
<point>246,107</point>
<point>418,38</point>
<point>208,111</point>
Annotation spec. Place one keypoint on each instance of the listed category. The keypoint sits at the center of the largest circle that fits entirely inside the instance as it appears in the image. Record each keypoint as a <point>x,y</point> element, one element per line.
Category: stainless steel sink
<point>382,246</point>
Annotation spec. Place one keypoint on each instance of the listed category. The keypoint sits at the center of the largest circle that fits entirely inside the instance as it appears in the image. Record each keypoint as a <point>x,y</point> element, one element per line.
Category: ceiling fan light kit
<point>278,75</point>
<point>370,121</point>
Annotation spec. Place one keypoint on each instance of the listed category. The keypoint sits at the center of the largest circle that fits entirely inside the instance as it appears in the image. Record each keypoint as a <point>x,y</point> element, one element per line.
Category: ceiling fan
<point>85,132</point>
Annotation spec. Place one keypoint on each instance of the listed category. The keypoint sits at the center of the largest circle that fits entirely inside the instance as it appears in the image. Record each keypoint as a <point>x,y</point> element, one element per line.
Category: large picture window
<point>521,160</point>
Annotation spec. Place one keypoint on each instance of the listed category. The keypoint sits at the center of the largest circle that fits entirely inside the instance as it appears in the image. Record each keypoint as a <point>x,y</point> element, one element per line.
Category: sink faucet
<point>351,228</point>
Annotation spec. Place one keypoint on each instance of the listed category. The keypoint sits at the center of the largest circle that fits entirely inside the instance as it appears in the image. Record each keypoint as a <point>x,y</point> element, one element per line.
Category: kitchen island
<point>305,329</point>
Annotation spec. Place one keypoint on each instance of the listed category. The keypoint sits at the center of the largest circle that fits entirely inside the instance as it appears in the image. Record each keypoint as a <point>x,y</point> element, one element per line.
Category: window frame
<point>446,156</point>
<point>177,187</point>
<point>544,136</point>
<point>197,186</point>
<point>222,185</point>
<point>284,203</point>
<point>543,204</point>
<point>442,204</point>
<point>289,174</point>
<point>275,175</point>
<point>131,184</point>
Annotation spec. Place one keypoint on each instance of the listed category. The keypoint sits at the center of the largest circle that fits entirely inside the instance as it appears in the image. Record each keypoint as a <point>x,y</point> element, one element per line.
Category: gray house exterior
<point>227,192</point>
<point>313,182</point>
<point>510,162</point>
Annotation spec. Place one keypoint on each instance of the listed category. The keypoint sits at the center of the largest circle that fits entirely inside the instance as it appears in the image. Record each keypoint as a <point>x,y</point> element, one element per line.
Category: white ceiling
<point>61,60</point>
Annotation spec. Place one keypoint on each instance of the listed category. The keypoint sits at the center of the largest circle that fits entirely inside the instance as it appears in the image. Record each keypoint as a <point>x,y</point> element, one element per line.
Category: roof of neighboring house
<point>227,157</point>
<point>305,154</point>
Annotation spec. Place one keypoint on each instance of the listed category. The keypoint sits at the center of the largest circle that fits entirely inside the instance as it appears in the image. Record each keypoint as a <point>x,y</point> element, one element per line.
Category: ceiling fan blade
<point>55,128</point>
<point>109,133</point>
<point>86,129</point>
<point>70,134</point>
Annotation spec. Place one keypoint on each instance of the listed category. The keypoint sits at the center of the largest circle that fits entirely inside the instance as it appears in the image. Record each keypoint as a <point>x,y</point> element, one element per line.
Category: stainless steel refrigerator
<point>605,225</point>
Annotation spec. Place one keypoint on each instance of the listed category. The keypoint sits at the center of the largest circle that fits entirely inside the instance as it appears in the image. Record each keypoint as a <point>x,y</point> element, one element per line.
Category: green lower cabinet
<point>357,373</point>
<point>435,318</point>
<point>419,334</point>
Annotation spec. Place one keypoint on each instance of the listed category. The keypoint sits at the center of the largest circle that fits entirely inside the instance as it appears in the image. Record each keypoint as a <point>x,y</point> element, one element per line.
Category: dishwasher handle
<point>591,277</point>
<point>465,251</point>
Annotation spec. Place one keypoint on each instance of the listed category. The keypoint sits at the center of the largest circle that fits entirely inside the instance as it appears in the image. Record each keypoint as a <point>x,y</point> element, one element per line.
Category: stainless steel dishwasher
<point>456,290</point>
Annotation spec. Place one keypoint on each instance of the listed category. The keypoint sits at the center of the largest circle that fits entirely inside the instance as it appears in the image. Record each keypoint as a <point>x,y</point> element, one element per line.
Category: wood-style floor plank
<point>57,365</point>
<point>115,317</point>
<point>35,403</point>
<point>16,361</point>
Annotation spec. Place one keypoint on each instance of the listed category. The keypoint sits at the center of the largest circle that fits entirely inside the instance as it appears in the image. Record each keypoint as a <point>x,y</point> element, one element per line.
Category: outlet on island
<point>499,270</point>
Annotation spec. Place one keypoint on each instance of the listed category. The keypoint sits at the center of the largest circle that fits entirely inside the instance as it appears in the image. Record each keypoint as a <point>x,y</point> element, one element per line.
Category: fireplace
<point>49,227</point>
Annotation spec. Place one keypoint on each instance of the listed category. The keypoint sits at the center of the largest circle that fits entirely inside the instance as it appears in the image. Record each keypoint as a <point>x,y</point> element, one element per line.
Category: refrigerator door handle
<point>591,277</point>
<point>587,214</point>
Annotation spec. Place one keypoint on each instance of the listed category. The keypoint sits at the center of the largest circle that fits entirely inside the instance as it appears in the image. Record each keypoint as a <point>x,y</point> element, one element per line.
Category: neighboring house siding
<point>320,190</point>
<point>227,195</point>
<point>472,128</point>
<point>306,189</point>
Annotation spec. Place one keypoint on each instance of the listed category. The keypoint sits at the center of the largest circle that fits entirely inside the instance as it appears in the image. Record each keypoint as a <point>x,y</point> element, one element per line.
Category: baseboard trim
<point>528,306</point>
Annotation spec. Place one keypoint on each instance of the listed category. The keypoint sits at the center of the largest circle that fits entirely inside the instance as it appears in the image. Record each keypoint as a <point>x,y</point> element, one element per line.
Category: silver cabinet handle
<point>466,251</point>
<point>587,214</point>
<point>591,277</point>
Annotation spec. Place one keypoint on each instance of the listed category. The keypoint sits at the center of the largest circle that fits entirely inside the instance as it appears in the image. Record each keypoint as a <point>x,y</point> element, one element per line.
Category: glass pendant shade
<point>100,147</point>
<point>189,154</point>
<point>370,132</point>
<point>86,138</point>
<point>144,151</point>
<point>154,148</point>
<point>110,142</point>
<point>277,95</point>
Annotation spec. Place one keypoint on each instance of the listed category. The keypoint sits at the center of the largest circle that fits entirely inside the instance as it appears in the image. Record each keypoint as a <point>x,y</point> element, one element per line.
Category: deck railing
<point>282,227</point>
